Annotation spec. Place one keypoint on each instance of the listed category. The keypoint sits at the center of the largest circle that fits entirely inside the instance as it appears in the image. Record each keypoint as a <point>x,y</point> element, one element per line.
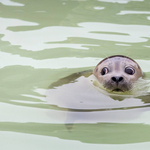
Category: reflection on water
<point>133,12</point>
<point>77,93</point>
<point>84,104</point>
<point>40,39</point>
<point>45,141</point>
<point>10,3</point>
<point>119,1</point>
<point>42,42</point>
<point>83,93</point>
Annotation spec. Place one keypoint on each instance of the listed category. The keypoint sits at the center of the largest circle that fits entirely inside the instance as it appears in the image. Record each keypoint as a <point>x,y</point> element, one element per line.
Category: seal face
<point>117,73</point>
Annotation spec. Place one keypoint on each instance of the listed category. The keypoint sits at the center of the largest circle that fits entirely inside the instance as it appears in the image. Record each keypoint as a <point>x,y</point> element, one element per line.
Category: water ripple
<point>120,1</point>
<point>49,37</point>
<point>10,3</point>
<point>125,12</point>
<point>7,59</point>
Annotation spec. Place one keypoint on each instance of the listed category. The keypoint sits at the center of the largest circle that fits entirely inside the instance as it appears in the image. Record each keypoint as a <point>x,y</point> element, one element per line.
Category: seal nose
<point>117,79</point>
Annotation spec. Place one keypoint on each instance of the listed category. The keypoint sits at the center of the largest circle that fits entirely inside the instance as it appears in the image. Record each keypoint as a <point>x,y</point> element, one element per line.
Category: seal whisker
<point>104,54</point>
<point>128,54</point>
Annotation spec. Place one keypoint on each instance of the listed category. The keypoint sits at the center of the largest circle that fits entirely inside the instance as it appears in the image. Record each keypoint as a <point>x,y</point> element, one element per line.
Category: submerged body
<point>120,80</point>
<point>81,97</point>
<point>117,73</point>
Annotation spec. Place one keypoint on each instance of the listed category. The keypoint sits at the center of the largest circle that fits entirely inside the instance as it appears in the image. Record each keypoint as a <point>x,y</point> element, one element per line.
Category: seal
<point>117,73</point>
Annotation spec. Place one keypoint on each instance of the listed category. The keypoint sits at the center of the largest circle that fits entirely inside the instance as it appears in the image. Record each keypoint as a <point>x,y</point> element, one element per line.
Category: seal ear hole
<point>104,71</point>
<point>129,70</point>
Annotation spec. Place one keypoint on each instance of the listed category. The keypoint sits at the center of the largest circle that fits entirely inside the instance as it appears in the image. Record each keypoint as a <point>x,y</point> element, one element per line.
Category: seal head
<point>117,73</point>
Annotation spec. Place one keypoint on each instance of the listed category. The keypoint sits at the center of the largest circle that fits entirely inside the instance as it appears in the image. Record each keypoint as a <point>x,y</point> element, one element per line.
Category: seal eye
<point>104,71</point>
<point>129,70</point>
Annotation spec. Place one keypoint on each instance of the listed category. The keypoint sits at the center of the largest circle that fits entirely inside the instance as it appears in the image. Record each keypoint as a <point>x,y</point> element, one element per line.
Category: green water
<point>43,41</point>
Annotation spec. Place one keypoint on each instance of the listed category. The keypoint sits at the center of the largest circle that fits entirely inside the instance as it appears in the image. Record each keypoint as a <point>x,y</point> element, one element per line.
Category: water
<point>44,41</point>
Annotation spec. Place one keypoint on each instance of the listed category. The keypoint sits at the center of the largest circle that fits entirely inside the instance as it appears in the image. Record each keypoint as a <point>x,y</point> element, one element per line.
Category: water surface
<point>44,41</point>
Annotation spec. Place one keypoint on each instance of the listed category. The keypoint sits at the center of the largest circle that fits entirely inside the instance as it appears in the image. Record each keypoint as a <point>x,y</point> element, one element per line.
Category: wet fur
<point>125,86</point>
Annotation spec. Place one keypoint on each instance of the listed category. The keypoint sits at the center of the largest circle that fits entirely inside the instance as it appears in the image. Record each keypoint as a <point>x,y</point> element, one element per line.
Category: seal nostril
<point>120,79</point>
<point>117,79</point>
<point>114,79</point>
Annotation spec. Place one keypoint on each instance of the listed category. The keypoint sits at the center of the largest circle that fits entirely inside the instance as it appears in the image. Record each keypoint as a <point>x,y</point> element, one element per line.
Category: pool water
<point>42,42</point>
